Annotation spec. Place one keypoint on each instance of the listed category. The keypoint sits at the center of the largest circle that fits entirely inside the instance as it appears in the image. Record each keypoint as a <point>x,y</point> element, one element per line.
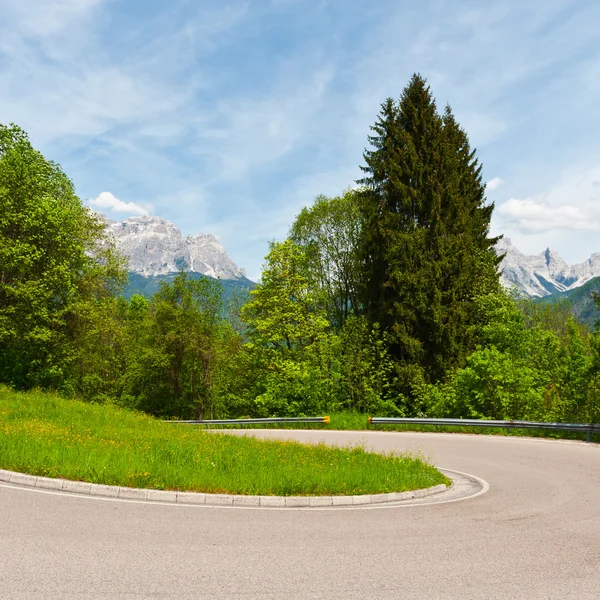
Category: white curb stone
<point>79,487</point>
<point>320,501</point>
<point>133,493</point>
<point>190,498</point>
<point>22,479</point>
<point>47,483</point>
<point>162,496</point>
<point>107,491</point>
<point>379,498</point>
<point>219,499</point>
<point>246,500</point>
<point>110,491</point>
<point>272,501</point>
<point>404,496</point>
<point>342,501</point>
<point>296,501</point>
<point>363,499</point>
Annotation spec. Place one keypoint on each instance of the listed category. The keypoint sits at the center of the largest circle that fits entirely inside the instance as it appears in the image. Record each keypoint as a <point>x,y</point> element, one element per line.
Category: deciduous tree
<point>329,233</point>
<point>54,259</point>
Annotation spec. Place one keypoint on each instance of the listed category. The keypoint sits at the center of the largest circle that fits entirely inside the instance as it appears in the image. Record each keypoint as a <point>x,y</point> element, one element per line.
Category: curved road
<point>534,534</point>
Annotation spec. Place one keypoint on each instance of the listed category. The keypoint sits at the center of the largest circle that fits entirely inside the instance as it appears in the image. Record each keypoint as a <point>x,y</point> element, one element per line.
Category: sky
<point>228,117</point>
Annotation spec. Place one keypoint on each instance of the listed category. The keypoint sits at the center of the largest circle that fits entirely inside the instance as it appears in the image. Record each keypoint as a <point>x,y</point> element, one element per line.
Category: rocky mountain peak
<point>155,246</point>
<point>545,273</point>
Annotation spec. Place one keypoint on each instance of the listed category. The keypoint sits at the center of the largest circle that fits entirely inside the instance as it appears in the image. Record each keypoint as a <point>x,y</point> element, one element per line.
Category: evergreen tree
<point>425,246</point>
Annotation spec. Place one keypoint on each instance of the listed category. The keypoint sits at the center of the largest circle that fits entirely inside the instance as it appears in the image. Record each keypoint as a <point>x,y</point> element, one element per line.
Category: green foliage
<point>290,341</point>
<point>384,301</point>
<point>367,371</point>
<point>329,233</point>
<point>424,242</point>
<point>55,266</point>
<point>172,370</point>
<point>534,362</point>
<point>233,290</point>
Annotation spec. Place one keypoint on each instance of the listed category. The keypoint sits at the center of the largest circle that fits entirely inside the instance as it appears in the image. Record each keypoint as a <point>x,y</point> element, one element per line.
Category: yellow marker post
<point>370,420</point>
<point>326,419</point>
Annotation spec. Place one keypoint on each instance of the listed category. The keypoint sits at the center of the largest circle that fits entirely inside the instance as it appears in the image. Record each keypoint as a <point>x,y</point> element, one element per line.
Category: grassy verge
<point>43,434</point>
<point>358,422</point>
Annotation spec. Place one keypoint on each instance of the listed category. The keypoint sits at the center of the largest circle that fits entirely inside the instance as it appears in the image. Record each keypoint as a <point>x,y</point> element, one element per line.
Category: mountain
<point>157,251</point>
<point>148,286</point>
<point>580,300</point>
<point>543,274</point>
<point>154,246</point>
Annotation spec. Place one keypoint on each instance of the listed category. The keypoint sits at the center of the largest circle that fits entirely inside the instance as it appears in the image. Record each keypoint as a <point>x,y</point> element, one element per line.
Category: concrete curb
<point>126,493</point>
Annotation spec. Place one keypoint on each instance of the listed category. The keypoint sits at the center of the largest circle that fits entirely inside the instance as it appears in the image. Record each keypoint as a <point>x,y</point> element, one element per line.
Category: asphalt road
<point>534,534</point>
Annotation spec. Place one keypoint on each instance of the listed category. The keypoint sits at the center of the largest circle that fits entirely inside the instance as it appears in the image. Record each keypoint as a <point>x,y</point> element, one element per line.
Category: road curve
<point>534,534</point>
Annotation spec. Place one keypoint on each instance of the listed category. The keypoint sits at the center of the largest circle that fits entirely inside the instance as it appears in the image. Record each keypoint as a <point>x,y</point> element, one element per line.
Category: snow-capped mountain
<point>154,246</point>
<point>545,273</point>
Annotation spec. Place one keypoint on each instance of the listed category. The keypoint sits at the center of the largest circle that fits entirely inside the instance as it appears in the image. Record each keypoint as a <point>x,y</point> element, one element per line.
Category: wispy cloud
<point>574,204</point>
<point>228,116</point>
<point>533,216</point>
<point>250,131</point>
<point>494,184</point>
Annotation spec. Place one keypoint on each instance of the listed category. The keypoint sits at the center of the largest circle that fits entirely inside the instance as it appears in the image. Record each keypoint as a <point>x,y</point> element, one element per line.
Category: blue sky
<point>228,117</point>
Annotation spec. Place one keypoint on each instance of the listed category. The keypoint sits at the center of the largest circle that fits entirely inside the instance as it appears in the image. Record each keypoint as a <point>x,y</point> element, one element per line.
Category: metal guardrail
<point>257,421</point>
<point>581,427</point>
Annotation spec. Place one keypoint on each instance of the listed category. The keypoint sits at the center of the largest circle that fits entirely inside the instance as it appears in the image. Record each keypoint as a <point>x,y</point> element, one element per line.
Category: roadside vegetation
<point>383,301</point>
<point>45,434</point>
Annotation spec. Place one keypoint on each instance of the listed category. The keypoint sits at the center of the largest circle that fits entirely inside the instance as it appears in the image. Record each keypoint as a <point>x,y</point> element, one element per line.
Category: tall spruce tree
<point>425,246</point>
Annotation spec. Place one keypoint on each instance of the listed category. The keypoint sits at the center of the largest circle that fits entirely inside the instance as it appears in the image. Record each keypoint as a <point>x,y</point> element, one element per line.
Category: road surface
<point>534,534</point>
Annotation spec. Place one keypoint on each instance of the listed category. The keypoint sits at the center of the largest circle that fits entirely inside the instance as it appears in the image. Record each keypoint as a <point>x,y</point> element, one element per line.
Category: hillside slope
<point>580,300</point>
<point>149,285</point>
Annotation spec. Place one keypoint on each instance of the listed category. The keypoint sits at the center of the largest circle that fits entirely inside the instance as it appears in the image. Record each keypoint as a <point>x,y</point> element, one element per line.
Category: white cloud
<point>107,200</point>
<point>572,204</point>
<point>494,183</point>
<point>533,216</point>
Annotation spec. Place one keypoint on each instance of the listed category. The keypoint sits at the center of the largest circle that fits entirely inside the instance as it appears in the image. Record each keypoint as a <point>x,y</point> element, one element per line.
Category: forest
<point>384,300</point>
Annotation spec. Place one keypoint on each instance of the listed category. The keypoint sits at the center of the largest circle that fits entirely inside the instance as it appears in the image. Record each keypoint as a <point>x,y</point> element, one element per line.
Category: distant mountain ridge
<point>155,246</point>
<point>543,274</point>
<point>148,286</point>
<point>580,300</point>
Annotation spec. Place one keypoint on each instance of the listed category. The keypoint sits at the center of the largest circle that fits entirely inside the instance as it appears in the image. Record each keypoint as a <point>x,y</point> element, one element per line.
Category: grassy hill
<point>44,434</point>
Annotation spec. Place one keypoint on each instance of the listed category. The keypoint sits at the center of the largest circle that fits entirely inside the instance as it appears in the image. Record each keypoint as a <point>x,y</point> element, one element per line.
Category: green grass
<point>44,434</point>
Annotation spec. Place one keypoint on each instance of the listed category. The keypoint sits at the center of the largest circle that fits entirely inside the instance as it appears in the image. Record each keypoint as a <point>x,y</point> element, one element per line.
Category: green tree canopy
<point>176,349</point>
<point>424,244</point>
<point>329,233</point>
<point>289,337</point>
<point>53,259</point>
